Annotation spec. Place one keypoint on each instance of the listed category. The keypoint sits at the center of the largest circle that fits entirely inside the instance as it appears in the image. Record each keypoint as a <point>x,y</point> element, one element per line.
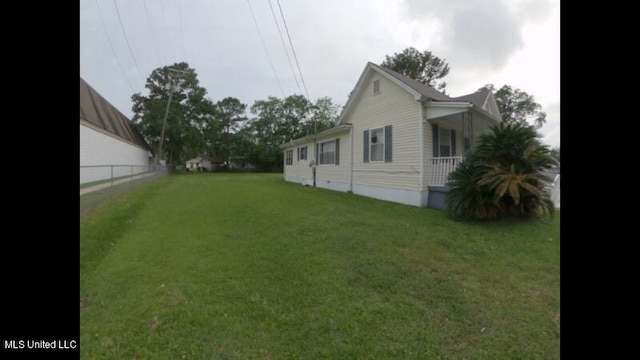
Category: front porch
<point>440,168</point>
<point>453,129</point>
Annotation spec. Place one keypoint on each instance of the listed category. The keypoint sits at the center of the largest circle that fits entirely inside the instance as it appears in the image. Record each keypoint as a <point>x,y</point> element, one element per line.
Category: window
<point>445,143</point>
<point>376,87</point>
<point>288,157</point>
<point>377,144</point>
<point>328,152</point>
<point>302,153</point>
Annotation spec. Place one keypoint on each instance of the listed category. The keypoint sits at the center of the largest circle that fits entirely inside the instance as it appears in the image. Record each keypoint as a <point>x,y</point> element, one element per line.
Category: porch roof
<point>442,110</point>
<point>334,130</point>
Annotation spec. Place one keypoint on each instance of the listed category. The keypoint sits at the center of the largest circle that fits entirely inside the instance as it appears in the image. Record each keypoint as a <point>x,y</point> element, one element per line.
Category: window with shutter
<point>328,152</point>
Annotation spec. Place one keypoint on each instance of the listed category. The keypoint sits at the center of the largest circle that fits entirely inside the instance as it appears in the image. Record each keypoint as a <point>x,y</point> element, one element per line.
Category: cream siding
<point>392,106</point>
<point>428,147</point>
<point>300,171</point>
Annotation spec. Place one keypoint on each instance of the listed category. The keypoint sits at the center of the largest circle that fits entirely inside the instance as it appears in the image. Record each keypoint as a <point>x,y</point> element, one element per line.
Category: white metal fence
<point>105,182</point>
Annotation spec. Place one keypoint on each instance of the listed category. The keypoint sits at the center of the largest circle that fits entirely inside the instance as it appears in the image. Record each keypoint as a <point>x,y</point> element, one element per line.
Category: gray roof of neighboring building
<point>99,112</point>
<point>477,98</point>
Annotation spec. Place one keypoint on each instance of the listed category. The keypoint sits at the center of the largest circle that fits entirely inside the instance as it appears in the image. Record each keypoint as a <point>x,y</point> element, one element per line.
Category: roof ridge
<point>416,85</point>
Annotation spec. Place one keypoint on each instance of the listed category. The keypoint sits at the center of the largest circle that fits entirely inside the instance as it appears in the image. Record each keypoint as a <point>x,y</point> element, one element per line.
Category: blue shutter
<point>365,150</point>
<point>453,143</point>
<point>317,155</point>
<point>436,143</point>
<point>337,151</point>
<point>388,144</point>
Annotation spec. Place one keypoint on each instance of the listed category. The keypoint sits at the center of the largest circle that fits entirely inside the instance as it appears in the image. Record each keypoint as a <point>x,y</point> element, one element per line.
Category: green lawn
<point>247,266</point>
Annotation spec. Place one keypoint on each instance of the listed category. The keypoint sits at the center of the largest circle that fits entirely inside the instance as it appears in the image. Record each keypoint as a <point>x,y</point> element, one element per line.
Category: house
<point>108,140</point>
<point>201,164</point>
<point>198,164</point>
<point>396,140</point>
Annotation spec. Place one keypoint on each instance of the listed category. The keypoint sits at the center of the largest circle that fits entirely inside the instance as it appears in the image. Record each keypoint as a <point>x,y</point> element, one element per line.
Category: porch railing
<point>441,167</point>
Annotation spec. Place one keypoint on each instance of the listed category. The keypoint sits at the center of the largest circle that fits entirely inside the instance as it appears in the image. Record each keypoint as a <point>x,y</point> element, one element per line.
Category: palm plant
<point>502,176</point>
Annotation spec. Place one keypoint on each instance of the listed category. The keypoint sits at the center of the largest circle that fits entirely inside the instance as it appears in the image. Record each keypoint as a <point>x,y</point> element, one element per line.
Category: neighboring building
<point>396,139</point>
<point>108,138</point>
<point>202,164</point>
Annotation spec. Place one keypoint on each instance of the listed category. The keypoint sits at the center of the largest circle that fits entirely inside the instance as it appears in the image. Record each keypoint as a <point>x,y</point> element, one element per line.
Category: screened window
<point>328,152</point>
<point>445,142</point>
<point>377,144</point>
<point>302,153</point>
<point>288,157</point>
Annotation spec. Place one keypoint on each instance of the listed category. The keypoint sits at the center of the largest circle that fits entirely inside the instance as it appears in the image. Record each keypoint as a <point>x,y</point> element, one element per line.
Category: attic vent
<point>376,87</point>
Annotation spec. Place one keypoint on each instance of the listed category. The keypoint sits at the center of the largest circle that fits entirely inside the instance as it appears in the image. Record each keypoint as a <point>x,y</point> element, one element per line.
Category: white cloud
<point>493,41</point>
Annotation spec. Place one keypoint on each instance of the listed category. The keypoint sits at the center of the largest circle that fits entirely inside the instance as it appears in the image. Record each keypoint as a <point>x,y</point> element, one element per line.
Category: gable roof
<point>428,91</point>
<point>484,99</point>
<point>96,110</point>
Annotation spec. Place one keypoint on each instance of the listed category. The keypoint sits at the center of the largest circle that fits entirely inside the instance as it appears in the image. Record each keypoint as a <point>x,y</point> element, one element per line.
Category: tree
<point>516,106</point>
<point>502,176</point>
<point>186,118</point>
<point>277,121</point>
<point>422,66</point>
<point>324,114</point>
<point>230,112</point>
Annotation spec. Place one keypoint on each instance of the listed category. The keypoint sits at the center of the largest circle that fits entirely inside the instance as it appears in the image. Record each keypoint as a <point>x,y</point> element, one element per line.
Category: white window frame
<point>376,84</point>
<point>379,141</point>
<point>305,152</point>
<point>440,143</point>
<point>321,153</point>
<point>288,157</point>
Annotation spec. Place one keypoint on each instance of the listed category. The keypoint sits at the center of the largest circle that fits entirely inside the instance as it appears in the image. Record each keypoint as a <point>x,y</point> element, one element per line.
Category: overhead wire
<point>265,48</point>
<point>124,74</point>
<point>164,17</point>
<point>293,72</point>
<point>184,53</point>
<point>293,50</point>
<point>155,41</point>
<point>127,40</point>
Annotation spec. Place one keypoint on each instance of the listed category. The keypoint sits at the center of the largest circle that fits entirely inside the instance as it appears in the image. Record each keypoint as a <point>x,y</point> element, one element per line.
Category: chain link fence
<point>102,183</point>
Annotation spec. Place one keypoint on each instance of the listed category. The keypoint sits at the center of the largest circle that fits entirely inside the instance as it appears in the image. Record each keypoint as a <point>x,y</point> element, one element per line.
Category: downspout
<point>351,163</point>
<point>422,120</point>
<point>314,168</point>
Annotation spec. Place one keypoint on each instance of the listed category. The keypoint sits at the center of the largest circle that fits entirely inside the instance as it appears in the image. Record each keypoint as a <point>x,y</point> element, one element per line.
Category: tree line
<point>178,110</point>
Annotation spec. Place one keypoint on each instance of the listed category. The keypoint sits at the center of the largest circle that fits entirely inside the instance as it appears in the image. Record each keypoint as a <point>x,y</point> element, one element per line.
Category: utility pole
<point>164,125</point>
<point>166,112</point>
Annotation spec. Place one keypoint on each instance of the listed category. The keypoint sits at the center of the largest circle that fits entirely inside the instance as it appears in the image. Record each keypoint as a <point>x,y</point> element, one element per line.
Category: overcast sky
<point>515,42</point>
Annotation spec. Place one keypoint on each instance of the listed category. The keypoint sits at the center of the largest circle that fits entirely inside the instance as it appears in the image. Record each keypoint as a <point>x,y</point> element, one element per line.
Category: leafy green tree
<point>324,114</point>
<point>277,121</point>
<point>186,116</point>
<point>516,106</point>
<point>422,66</point>
<point>502,176</point>
<point>230,113</point>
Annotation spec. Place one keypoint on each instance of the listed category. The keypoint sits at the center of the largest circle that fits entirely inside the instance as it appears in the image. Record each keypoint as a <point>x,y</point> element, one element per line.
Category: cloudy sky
<point>236,48</point>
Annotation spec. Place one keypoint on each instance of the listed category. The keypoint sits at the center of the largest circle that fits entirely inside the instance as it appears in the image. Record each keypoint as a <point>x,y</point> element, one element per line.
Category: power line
<point>265,48</point>
<point>124,75</point>
<point>173,54</point>
<point>284,46</point>
<point>127,39</point>
<point>155,41</point>
<point>293,50</point>
<point>184,53</point>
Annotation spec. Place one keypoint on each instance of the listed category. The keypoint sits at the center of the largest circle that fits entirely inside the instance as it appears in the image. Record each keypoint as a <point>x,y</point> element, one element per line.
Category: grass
<point>98,182</point>
<point>247,266</point>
